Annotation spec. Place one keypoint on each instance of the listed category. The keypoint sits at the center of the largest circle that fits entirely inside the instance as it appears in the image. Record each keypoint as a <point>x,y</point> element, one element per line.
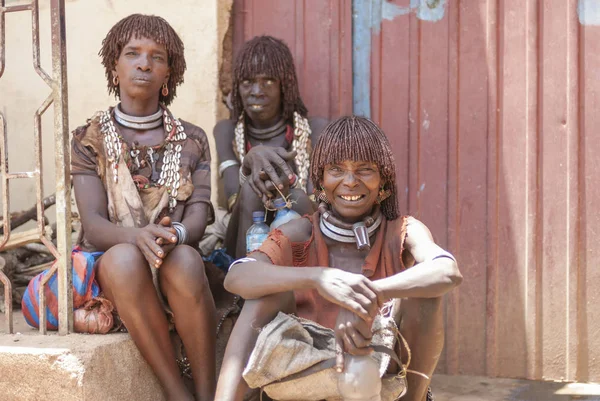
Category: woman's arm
<point>195,218</point>
<point>256,279</point>
<point>434,274</point>
<point>260,277</point>
<point>224,135</point>
<point>101,233</point>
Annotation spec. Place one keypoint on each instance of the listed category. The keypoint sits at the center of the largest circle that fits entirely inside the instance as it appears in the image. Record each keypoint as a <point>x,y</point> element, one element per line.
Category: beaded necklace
<point>300,144</point>
<point>169,175</point>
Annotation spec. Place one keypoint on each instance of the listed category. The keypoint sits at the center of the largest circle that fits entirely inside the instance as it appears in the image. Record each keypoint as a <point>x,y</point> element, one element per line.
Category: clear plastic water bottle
<point>283,214</point>
<point>257,232</point>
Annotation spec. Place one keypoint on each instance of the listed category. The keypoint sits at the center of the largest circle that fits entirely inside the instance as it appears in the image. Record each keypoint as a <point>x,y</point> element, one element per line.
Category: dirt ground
<point>468,388</point>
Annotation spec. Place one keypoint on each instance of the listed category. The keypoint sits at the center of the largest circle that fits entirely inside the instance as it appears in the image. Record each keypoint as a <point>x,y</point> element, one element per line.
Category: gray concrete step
<point>73,367</point>
<point>81,367</point>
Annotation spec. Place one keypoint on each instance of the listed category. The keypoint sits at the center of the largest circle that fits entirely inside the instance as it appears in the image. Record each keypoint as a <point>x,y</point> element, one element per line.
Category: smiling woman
<point>340,269</point>
<point>351,188</point>
<point>142,185</point>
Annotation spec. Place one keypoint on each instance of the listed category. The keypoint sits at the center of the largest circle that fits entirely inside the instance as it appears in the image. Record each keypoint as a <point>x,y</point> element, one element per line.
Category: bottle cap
<point>279,203</point>
<point>258,215</point>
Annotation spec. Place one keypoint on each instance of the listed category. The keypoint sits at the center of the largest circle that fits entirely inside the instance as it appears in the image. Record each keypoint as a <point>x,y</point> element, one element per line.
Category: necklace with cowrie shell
<point>301,145</point>
<point>170,176</point>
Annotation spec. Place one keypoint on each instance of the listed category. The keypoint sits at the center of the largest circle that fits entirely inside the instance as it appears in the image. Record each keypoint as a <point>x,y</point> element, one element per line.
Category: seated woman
<point>321,269</point>
<point>269,130</point>
<point>142,185</point>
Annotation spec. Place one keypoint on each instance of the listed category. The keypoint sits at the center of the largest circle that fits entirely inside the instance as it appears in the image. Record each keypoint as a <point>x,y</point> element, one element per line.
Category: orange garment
<point>383,260</point>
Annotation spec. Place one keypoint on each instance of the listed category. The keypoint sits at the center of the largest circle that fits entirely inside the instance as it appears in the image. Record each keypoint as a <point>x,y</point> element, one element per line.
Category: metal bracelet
<point>225,165</point>
<point>182,234</point>
<point>243,177</point>
<point>178,233</point>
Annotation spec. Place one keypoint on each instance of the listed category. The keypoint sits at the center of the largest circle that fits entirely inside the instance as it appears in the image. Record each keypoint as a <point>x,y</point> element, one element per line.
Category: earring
<point>321,195</point>
<point>383,195</point>
<point>165,90</point>
<point>116,80</point>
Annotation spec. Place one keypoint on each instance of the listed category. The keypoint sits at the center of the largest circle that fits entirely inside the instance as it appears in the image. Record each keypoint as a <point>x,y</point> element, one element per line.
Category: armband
<point>445,254</point>
<point>240,261</point>
<point>225,165</point>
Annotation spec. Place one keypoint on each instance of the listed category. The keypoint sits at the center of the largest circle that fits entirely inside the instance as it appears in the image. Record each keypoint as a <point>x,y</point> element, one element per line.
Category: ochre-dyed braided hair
<point>144,26</point>
<point>271,57</point>
<point>357,139</point>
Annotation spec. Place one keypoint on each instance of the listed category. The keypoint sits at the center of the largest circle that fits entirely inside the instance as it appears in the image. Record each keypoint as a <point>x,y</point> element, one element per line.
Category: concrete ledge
<point>109,367</point>
<point>74,367</point>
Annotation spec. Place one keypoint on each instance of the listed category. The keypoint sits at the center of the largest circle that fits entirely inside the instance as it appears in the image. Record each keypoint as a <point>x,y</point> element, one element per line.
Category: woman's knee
<point>262,310</point>
<point>124,269</point>
<point>183,273</point>
<point>123,261</point>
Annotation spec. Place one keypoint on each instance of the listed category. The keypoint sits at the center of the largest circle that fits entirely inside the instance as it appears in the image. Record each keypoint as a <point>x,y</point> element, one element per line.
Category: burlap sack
<point>294,359</point>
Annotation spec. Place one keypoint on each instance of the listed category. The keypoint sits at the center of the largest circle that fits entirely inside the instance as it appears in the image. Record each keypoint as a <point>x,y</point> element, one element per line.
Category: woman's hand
<point>352,335</point>
<point>353,292</point>
<point>166,246</point>
<point>265,163</point>
<point>147,237</point>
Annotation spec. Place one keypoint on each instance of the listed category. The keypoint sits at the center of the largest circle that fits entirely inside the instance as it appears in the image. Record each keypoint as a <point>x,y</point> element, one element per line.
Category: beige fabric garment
<point>214,236</point>
<point>293,359</point>
<point>126,208</point>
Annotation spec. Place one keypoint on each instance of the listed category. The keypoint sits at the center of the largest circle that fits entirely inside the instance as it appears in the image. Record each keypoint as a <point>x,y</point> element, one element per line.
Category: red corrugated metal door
<point>491,108</point>
<point>491,111</point>
<point>319,34</point>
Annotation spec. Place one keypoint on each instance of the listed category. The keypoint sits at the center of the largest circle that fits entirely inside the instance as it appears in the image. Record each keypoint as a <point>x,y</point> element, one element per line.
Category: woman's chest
<point>347,258</point>
<point>154,165</point>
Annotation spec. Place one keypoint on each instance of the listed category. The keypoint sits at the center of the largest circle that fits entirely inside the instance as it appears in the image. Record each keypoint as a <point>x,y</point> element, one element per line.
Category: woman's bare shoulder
<point>298,230</point>
<point>224,128</point>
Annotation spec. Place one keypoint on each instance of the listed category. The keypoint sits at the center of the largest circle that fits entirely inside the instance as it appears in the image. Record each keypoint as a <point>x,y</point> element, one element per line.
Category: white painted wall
<point>199,24</point>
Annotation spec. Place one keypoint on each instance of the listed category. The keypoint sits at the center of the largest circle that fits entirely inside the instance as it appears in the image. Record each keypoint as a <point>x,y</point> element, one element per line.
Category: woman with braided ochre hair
<point>341,268</point>
<point>142,185</point>
<point>268,141</point>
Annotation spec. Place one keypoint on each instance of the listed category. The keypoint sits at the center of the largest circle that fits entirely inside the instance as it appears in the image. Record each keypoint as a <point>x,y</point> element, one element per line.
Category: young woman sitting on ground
<point>142,185</point>
<point>339,266</point>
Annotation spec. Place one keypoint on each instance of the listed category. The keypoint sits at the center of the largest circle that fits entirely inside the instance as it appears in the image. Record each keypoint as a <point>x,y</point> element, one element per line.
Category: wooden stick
<point>19,218</point>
